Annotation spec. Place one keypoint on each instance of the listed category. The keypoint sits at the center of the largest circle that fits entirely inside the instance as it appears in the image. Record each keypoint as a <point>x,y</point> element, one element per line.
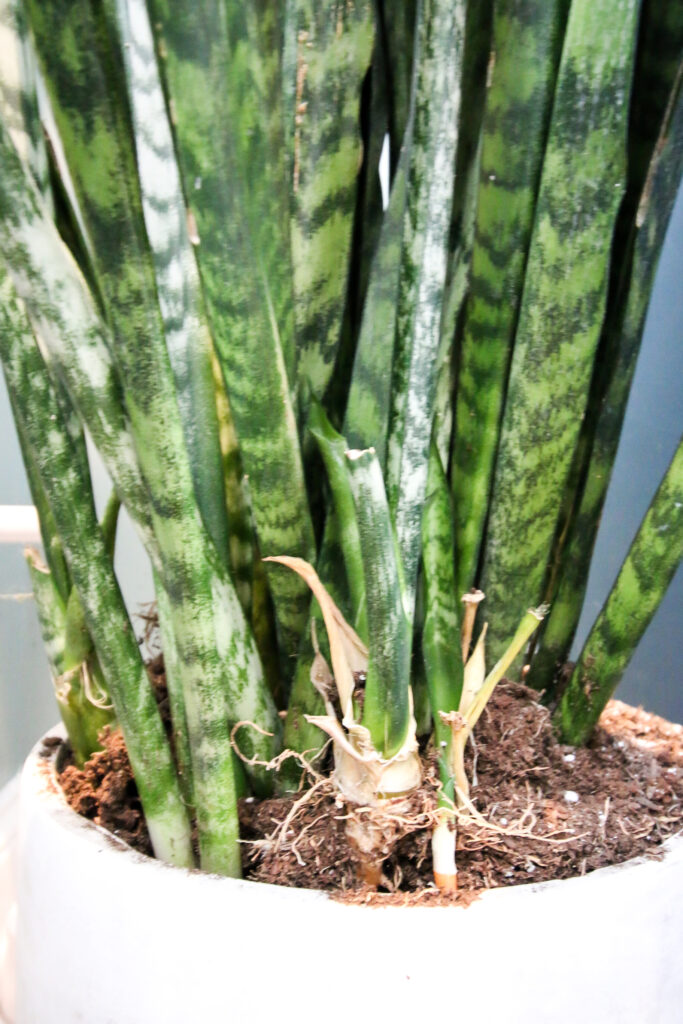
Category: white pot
<point>9,807</point>
<point>107,936</point>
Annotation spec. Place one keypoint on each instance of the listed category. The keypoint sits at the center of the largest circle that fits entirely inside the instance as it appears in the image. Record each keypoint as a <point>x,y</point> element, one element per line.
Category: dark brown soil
<point>105,792</point>
<point>540,810</point>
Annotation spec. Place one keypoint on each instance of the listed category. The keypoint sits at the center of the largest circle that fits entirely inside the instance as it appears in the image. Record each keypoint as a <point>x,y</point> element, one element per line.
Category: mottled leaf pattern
<point>625,334</point>
<point>334,45</point>
<point>77,343</point>
<point>197,48</point>
<point>91,569</point>
<point>441,631</point>
<point>216,651</point>
<point>643,579</point>
<point>423,270</point>
<point>526,44</point>
<point>386,711</point>
<point>562,304</point>
<point>333,448</point>
<point>163,205</point>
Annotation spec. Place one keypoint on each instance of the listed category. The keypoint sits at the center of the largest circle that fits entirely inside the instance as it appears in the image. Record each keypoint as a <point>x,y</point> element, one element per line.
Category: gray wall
<point>653,425</point>
<point>652,429</point>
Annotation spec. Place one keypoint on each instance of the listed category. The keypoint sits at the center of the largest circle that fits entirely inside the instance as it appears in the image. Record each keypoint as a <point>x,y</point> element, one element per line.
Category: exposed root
<point>534,814</point>
<point>276,763</point>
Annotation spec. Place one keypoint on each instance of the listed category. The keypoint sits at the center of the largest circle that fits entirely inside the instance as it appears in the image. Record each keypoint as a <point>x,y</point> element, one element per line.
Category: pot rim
<point>39,777</point>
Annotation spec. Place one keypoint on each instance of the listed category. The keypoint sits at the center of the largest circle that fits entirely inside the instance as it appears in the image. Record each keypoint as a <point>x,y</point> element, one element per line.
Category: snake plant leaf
<point>369,213</point>
<point>333,448</point>
<point>441,630</point>
<point>51,611</point>
<point>64,317</point>
<point>67,321</point>
<point>423,270</point>
<point>397,25</point>
<point>658,57</point>
<point>19,93</point>
<point>254,92</point>
<point>196,52</point>
<point>366,424</point>
<point>82,719</point>
<point>474,673</point>
<point>563,302</point>
<point>347,651</point>
<point>524,631</point>
<point>52,545</point>
<point>366,421</point>
<point>92,572</point>
<point>624,334</point>
<point>241,540</point>
<point>660,44</point>
<point>334,48</point>
<point>526,44</point>
<point>178,288</point>
<point>476,696</point>
<point>288,63</point>
<point>476,65</point>
<point>176,695</point>
<point>386,712</point>
<point>457,285</point>
<point>216,650</point>
<point>643,579</point>
<point>475,75</point>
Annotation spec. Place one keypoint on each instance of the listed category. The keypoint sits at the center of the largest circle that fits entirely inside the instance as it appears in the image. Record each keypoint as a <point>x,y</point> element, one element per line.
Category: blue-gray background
<point>652,428</point>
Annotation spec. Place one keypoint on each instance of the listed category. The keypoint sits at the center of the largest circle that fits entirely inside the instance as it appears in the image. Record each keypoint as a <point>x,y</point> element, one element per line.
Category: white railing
<point>19,524</point>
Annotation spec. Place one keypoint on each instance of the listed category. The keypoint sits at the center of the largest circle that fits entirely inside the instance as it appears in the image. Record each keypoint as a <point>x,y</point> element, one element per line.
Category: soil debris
<point>538,809</point>
<point>104,791</point>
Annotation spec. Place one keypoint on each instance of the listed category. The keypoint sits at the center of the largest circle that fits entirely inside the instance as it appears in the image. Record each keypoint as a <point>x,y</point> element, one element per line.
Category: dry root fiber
<point>537,809</point>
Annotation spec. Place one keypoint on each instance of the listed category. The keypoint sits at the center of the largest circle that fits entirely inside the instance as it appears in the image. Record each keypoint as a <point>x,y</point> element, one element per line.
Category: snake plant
<point>334,404</point>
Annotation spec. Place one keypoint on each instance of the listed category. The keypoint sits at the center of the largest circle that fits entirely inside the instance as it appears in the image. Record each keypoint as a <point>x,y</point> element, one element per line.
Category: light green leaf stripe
<point>366,425</point>
<point>476,64</point>
<point>642,582</point>
<point>441,631</point>
<point>366,422</point>
<point>241,310</point>
<point>67,642</point>
<point>236,501</point>
<point>18,93</point>
<point>176,695</point>
<point>526,43</point>
<point>187,337</point>
<point>423,271</point>
<point>76,342</point>
<point>51,614</point>
<point>386,712</point>
<point>334,48</point>
<point>457,286</point>
<point>82,720</point>
<point>91,569</point>
<point>288,64</point>
<point>333,448</point>
<point>253,91</point>
<point>624,344</point>
<point>52,546</point>
<point>221,673</point>
<point>563,303</point>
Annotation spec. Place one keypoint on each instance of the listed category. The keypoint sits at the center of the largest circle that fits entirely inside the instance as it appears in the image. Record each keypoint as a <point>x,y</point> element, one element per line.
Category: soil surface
<point>539,810</point>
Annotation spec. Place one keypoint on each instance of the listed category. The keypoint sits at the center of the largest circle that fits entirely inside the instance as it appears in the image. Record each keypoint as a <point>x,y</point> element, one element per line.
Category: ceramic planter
<point>8,840</point>
<point>107,935</point>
